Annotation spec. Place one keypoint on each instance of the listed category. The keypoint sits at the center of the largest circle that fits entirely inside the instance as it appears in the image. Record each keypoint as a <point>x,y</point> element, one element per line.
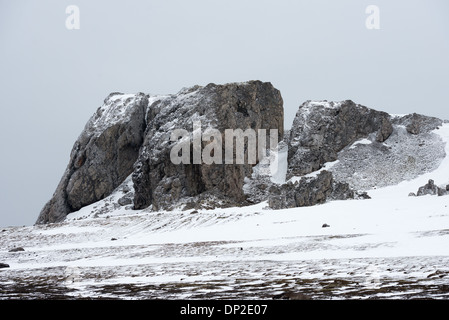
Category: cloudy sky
<point>52,79</point>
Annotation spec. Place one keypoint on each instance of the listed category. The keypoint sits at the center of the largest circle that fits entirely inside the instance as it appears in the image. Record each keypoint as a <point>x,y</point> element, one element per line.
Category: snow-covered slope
<point>390,246</point>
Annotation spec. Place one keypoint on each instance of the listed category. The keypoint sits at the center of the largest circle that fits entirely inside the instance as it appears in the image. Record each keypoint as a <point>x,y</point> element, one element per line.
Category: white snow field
<point>389,247</point>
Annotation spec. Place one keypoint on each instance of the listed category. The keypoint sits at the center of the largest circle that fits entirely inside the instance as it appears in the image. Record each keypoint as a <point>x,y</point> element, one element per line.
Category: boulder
<point>17,249</point>
<point>160,183</point>
<point>429,188</point>
<point>4,265</point>
<point>130,136</point>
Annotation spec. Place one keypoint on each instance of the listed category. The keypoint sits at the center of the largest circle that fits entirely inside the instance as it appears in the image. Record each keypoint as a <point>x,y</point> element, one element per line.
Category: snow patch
<point>361,141</point>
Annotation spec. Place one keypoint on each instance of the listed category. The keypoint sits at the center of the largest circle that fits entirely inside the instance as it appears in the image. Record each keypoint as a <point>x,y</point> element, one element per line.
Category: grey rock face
<point>321,129</point>
<point>162,184</point>
<point>308,192</point>
<point>102,157</point>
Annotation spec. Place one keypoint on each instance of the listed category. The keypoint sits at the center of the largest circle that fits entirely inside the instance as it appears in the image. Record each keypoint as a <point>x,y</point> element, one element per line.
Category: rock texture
<point>130,136</point>
<point>321,129</point>
<point>368,164</point>
<point>308,192</point>
<point>417,123</point>
<point>360,146</point>
<point>431,189</point>
<point>333,151</point>
<point>162,184</point>
<point>102,157</point>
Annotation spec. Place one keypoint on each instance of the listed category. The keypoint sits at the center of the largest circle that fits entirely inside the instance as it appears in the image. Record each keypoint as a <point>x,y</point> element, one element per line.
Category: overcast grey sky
<point>53,79</point>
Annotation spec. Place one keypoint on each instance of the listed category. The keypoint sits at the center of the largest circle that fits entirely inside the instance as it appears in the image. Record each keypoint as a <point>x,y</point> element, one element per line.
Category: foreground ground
<point>389,247</point>
<point>251,253</point>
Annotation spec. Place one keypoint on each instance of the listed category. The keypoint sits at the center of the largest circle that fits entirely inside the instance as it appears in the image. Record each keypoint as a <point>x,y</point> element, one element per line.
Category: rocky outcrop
<point>162,184</point>
<point>321,129</point>
<point>130,135</point>
<point>417,123</point>
<point>124,156</point>
<point>362,147</point>
<point>431,189</point>
<point>102,157</point>
<point>308,191</point>
<point>368,164</point>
